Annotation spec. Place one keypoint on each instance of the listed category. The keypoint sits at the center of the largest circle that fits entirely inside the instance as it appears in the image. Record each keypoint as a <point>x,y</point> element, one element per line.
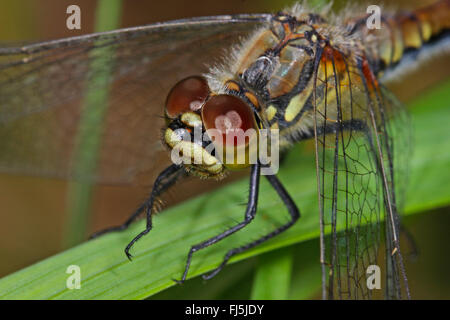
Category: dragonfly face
<point>300,73</point>
<point>192,111</point>
<point>183,111</point>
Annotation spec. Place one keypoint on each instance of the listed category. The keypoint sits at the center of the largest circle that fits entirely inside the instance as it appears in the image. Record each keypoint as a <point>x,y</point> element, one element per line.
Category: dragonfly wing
<point>356,125</point>
<point>395,139</point>
<point>62,100</point>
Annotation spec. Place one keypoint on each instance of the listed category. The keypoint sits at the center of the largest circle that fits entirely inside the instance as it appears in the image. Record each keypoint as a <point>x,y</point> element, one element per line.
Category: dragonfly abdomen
<point>409,32</point>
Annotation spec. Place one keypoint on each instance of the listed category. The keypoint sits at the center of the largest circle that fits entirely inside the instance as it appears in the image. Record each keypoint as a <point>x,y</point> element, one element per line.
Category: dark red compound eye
<point>228,114</point>
<point>188,94</point>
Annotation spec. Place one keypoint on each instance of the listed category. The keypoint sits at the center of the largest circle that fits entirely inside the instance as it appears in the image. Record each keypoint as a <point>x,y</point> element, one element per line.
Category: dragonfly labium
<point>300,72</point>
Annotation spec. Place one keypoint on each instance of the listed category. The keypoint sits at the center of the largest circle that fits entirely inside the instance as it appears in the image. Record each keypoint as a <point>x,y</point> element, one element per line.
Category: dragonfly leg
<point>293,212</point>
<point>123,226</point>
<point>249,215</point>
<point>165,179</point>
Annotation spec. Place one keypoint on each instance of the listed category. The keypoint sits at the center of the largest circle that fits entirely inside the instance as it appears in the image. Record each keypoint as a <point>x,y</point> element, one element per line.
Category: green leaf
<point>429,185</point>
<point>234,283</point>
<point>273,276</point>
<point>306,279</point>
<point>161,256</point>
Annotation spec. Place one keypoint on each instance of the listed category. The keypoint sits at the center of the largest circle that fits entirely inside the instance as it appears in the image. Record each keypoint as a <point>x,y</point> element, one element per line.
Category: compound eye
<point>188,94</point>
<point>229,116</point>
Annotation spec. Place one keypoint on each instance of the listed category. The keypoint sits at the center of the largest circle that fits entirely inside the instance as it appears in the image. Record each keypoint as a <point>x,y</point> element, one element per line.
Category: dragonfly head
<point>209,132</point>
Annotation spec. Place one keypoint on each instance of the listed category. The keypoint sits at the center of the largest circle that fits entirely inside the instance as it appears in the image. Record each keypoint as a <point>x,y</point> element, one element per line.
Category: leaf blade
<point>107,274</point>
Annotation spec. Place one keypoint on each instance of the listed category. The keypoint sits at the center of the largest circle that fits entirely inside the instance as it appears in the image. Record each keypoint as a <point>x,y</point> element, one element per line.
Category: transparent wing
<point>61,101</point>
<point>361,136</point>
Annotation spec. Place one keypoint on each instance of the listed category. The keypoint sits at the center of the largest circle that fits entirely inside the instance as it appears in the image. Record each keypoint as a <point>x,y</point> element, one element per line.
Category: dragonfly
<point>301,72</point>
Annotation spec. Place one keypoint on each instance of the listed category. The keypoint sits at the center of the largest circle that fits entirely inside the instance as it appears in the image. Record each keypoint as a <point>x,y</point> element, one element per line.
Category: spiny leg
<point>123,226</point>
<point>293,212</point>
<point>249,215</point>
<point>165,179</point>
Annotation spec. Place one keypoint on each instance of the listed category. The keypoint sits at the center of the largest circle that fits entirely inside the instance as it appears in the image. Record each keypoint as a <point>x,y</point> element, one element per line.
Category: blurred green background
<point>32,226</point>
